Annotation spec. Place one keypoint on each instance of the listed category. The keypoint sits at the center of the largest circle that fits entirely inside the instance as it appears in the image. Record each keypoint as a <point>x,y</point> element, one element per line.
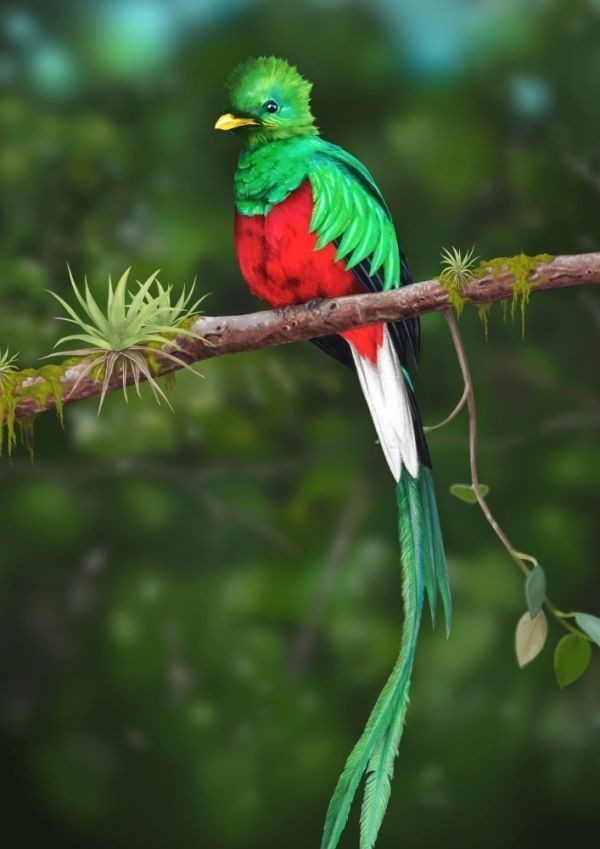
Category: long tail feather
<point>378,745</point>
<point>423,563</point>
<point>414,539</point>
<point>435,550</point>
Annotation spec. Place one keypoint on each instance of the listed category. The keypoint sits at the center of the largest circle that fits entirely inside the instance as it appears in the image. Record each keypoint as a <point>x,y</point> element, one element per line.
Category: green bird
<point>310,222</point>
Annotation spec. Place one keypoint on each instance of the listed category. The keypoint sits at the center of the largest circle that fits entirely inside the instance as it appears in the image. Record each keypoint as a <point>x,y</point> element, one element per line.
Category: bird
<point>311,223</point>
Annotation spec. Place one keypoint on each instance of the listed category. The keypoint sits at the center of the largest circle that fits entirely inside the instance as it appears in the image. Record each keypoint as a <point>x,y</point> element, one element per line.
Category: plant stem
<point>452,415</point>
<point>469,396</point>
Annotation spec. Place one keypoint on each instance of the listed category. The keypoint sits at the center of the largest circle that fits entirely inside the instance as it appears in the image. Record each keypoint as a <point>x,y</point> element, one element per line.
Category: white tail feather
<point>385,391</point>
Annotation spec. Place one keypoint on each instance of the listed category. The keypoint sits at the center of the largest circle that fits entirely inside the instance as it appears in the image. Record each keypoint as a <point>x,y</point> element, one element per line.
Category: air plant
<point>7,365</point>
<point>458,267</point>
<point>120,339</point>
<point>164,309</point>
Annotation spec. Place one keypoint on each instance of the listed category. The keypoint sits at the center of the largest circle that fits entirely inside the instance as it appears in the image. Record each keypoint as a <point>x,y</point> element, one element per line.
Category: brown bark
<point>236,334</point>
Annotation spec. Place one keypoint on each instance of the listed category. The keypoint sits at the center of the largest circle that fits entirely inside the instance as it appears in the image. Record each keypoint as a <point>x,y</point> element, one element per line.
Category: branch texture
<point>236,334</point>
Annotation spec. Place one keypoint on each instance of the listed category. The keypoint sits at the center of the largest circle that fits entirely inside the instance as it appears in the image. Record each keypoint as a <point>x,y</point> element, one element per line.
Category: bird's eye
<point>271,106</point>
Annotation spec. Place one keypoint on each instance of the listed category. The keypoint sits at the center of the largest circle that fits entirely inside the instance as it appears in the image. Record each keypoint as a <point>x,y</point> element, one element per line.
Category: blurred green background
<point>198,610</point>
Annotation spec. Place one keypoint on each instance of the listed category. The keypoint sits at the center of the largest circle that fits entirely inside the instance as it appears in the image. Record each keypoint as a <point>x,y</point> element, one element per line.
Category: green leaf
<point>530,637</point>
<point>571,658</point>
<point>590,625</point>
<point>466,493</point>
<point>535,590</point>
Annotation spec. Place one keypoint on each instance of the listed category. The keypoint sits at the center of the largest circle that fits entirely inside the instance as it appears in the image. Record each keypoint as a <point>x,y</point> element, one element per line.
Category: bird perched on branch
<point>311,223</point>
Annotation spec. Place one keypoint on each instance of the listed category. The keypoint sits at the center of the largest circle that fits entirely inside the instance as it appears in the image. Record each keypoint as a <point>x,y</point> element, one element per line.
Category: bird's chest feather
<point>278,257</point>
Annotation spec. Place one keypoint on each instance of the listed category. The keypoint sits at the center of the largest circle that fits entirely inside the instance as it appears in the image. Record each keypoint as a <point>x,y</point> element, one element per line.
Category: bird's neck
<point>268,174</point>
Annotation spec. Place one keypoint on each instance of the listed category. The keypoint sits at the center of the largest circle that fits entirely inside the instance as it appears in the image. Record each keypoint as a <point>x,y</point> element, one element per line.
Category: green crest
<point>275,95</point>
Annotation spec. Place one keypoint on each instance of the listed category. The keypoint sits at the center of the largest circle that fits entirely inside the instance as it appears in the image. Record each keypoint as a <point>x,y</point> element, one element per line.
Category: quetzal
<point>311,223</point>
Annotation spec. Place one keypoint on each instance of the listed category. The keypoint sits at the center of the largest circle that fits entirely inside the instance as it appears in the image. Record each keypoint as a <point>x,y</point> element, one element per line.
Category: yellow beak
<point>230,122</point>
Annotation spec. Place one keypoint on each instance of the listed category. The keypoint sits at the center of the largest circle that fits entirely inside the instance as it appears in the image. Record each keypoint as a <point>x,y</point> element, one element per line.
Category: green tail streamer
<point>423,566</point>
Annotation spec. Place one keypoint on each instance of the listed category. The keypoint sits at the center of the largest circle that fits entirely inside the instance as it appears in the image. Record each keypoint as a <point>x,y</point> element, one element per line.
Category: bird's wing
<point>349,210</point>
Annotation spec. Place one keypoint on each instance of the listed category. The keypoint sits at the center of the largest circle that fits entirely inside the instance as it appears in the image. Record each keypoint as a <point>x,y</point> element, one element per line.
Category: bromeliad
<point>311,223</point>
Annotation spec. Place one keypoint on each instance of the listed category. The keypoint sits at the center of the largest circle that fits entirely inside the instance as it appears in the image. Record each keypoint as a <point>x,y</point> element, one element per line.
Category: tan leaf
<point>530,637</point>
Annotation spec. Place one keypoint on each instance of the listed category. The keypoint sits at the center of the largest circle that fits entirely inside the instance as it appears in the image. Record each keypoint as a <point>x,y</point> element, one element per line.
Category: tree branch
<point>236,334</point>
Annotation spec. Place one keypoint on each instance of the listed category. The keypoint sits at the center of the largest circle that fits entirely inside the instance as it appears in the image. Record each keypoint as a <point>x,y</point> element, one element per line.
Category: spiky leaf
<point>458,267</point>
<point>119,339</point>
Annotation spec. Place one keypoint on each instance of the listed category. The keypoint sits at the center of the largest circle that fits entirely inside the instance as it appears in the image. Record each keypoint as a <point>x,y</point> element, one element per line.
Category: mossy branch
<point>33,391</point>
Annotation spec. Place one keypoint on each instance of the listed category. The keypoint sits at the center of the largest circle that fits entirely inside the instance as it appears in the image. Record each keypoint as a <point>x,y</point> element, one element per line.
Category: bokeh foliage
<point>158,571</point>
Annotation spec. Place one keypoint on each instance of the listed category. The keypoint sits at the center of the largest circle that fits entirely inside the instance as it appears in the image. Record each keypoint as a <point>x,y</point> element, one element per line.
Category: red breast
<point>279,261</point>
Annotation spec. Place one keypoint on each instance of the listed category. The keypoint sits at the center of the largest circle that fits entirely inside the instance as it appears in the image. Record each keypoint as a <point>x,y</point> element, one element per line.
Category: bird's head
<point>267,100</point>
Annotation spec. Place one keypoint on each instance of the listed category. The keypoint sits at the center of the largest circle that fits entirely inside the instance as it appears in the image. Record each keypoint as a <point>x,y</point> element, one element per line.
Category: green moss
<point>153,361</point>
<point>189,322</point>
<point>45,385</point>
<point>156,363</point>
<point>521,267</point>
<point>483,311</point>
<point>26,427</point>
<point>7,411</point>
<point>455,288</point>
<point>41,384</point>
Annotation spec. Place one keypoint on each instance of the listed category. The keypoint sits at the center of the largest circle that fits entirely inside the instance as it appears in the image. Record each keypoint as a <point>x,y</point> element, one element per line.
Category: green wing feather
<point>350,207</point>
